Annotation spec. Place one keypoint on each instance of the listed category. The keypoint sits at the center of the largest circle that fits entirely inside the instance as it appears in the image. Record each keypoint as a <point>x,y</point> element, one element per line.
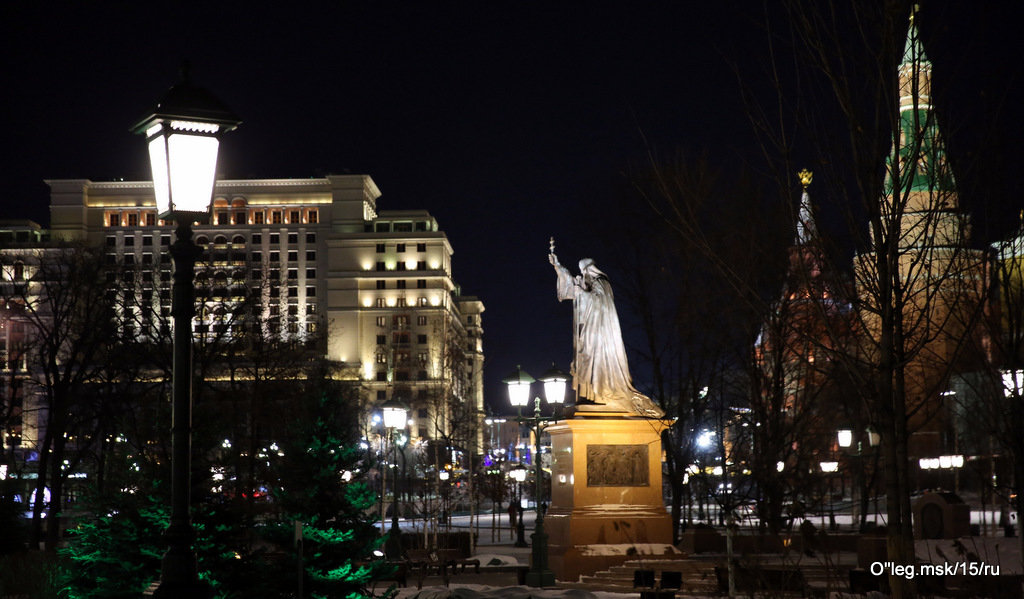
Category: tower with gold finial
<point>932,278</point>
<point>809,307</point>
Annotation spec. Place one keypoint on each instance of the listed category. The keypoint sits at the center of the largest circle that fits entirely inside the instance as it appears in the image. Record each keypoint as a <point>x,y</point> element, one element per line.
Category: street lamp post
<point>518,474</point>
<point>519,396</point>
<point>394,414</point>
<point>846,437</point>
<point>183,133</point>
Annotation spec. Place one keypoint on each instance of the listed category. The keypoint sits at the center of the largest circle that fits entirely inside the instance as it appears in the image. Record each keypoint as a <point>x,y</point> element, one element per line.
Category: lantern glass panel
<point>393,417</point>
<point>519,393</point>
<point>554,390</point>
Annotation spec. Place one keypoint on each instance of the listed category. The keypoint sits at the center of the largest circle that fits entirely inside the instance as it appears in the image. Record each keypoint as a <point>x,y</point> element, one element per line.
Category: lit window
<point>313,216</point>
<point>257,217</point>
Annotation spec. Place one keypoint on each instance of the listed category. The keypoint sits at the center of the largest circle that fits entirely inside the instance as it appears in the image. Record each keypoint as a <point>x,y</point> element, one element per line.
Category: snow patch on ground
<point>609,549</point>
<point>493,559</point>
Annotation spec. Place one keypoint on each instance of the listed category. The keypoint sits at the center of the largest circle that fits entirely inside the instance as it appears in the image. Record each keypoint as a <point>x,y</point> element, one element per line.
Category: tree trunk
<point>53,517</point>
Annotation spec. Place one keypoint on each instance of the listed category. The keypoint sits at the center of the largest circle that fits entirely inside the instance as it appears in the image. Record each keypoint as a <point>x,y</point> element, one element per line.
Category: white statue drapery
<point>599,368</point>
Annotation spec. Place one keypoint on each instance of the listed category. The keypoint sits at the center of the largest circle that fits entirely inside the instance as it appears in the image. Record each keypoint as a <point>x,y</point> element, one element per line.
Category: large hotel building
<point>314,258</point>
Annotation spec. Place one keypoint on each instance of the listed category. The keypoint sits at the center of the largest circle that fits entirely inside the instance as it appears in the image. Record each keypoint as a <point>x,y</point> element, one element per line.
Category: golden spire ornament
<point>805,177</point>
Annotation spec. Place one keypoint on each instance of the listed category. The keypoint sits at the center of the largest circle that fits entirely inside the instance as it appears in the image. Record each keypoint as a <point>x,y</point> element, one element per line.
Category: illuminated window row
<point>401,248</point>
<point>266,216</point>
<point>401,302</point>
<point>221,217</point>
<point>400,321</point>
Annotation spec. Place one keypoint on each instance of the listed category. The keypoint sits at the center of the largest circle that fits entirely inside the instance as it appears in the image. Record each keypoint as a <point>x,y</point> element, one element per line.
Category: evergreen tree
<point>313,477</point>
<point>320,486</point>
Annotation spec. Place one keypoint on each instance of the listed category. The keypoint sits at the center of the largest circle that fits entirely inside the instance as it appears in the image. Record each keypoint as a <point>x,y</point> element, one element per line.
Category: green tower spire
<point>922,151</point>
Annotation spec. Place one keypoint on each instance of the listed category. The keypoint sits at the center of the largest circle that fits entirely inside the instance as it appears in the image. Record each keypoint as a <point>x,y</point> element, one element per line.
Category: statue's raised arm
<point>599,368</point>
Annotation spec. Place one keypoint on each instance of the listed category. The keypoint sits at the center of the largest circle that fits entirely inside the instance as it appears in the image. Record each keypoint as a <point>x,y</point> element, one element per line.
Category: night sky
<point>509,122</point>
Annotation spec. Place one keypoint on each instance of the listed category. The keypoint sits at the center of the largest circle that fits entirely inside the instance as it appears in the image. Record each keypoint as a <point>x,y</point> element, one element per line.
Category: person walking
<point>512,513</point>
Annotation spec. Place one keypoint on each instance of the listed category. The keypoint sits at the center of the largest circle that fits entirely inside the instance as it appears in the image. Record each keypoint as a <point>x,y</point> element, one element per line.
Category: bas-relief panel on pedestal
<point>617,466</point>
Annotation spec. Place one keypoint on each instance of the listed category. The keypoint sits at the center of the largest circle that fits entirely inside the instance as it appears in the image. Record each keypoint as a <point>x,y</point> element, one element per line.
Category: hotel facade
<point>309,259</point>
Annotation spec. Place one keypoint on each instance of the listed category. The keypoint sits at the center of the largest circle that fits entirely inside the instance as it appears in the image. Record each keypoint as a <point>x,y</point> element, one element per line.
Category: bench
<point>421,562</point>
<point>443,562</point>
<point>452,558</point>
<point>671,582</point>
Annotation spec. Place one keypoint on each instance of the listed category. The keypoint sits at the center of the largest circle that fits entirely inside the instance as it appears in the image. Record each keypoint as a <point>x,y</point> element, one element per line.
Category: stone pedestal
<point>606,497</point>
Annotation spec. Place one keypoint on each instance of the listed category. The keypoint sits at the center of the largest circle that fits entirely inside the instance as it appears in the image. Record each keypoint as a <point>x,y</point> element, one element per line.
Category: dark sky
<point>508,121</point>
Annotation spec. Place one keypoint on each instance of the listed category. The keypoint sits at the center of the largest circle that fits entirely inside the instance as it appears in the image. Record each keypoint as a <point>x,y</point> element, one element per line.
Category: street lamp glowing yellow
<point>183,135</point>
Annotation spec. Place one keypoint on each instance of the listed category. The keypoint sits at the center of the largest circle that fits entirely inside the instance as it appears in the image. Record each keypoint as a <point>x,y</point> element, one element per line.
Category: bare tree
<point>917,283</point>
<point>69,310</point>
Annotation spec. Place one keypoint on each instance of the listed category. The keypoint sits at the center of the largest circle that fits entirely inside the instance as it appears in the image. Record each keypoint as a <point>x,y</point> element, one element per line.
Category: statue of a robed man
<point>599,368</point>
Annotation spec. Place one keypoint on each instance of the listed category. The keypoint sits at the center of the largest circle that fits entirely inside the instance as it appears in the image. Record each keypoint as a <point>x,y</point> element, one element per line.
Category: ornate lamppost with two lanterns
<point>519,382</point>
<point>183,134</point>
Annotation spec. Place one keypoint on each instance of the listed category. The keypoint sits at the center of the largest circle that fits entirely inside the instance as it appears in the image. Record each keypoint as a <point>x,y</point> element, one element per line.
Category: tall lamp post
<point>518,474</point>
<point>183,133</point>
<point>394,414</point>
<point>846,436</point>
<point>519,383</point>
